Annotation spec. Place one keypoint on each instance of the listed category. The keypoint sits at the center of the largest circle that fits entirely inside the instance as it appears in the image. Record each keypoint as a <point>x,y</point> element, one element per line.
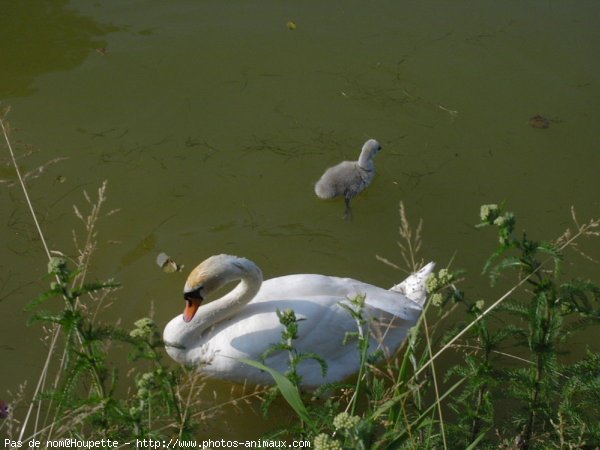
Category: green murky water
<point>212,120</point>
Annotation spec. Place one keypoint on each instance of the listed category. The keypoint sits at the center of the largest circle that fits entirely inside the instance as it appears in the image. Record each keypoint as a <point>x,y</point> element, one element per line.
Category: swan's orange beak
<point>191,306</point>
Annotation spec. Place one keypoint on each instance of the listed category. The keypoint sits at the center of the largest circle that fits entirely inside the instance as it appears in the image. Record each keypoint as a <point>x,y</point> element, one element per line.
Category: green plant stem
<point>363,348</point>
<point>539,369</point>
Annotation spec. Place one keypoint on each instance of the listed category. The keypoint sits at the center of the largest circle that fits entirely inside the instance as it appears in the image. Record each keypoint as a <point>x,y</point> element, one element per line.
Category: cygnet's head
<point>370,148</point>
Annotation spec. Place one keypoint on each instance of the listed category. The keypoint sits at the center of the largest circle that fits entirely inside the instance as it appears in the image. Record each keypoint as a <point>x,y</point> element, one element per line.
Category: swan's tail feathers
<point>415,287</point>
<point>325,190</point>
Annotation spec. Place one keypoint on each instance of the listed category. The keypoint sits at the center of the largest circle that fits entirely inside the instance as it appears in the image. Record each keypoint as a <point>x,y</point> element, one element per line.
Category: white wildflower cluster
<point>436,282</point>
<point>501,220</point>
<point>489,213</point>
<point>326,442</point>
<point>344,421</point>
<point>57,265</point>
<point>493,215</point>
<point>144,328</point>
<point>145,384</point>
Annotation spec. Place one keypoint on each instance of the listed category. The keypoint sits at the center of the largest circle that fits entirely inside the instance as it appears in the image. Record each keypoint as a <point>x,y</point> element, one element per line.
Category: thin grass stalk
<point>90,224</point>
<point>405,231</point>
<point>40,385</point>
<point>55,331</point>
<point>183,416</point>
<point>401,389</point>
<point>435,384</point>
<point>57,378</point>
<point>415,423</point>
<point>24,188</point>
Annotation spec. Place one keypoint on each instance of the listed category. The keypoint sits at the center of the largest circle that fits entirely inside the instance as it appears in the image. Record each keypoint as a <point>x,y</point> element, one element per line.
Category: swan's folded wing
<point>391,302</point>
<point>335,289</point>
<point>395,304</point>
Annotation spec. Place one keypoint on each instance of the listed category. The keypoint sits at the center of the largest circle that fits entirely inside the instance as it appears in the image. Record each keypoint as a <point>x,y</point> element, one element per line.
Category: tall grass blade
<point>287,389</point>
<point>477,440</point>
<point>401,437</point>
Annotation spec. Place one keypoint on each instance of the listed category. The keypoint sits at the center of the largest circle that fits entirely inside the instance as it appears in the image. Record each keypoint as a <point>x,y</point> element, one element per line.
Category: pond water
<point>212,121</point>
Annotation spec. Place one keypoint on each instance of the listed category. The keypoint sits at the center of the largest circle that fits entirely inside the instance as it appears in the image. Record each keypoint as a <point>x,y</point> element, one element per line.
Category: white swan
<point>349,178</point>
<point>244,323</point>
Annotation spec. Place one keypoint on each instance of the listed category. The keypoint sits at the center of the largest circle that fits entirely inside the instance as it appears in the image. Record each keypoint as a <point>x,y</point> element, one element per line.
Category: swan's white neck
<point>183,335</point>
<point>369,150</point>
<point>365,161</point>
<point>226,306</point>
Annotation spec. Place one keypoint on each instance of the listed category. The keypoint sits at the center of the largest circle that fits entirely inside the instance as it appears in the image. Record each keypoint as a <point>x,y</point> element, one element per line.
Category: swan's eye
<point>195,294</point>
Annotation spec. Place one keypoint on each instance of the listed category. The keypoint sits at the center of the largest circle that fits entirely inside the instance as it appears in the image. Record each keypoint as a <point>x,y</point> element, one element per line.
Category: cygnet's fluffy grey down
<point>349,178</point>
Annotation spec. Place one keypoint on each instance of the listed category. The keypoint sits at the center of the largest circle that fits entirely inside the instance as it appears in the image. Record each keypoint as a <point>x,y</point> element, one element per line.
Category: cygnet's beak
<point>193,300</point>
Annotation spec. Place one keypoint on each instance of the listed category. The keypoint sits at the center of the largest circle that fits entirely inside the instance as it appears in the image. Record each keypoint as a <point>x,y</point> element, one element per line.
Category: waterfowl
<point>348,178</point>
<point>244,323</point>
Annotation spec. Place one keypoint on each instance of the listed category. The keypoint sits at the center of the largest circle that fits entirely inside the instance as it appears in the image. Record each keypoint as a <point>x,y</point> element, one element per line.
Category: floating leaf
<point>291,25</point>
<point>538,121</point>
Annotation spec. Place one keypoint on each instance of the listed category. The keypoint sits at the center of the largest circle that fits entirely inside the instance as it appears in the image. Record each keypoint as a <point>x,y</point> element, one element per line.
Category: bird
<point>244,323</point>
<point>349,178</point>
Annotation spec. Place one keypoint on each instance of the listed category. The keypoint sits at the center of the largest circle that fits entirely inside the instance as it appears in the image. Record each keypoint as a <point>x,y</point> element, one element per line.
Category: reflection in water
<point>40,37</point>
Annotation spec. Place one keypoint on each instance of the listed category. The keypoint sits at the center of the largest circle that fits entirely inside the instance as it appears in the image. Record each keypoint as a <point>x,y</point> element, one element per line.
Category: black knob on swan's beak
<point>193,295</point>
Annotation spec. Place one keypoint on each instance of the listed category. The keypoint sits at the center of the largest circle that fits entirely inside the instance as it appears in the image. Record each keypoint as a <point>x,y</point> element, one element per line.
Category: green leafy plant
<point>290,332</point>
<point>537,323</point>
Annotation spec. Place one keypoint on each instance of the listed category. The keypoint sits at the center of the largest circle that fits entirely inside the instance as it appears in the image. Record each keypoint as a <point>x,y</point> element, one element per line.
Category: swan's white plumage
<point>244,322</point>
